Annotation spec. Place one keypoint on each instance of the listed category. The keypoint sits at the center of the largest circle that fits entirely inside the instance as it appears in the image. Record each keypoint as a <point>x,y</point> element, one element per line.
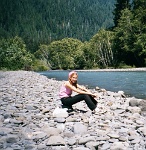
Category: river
<point>133,83</point>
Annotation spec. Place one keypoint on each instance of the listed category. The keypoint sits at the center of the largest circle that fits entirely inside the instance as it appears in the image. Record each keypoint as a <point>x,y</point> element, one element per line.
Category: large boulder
<point>60,113</point>
<point>134,102</point>
<point>142,105</point>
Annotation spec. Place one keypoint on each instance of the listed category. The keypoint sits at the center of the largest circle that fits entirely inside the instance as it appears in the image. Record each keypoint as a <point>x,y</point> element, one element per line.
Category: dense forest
<point>42,21</point>
<point>66,34</point>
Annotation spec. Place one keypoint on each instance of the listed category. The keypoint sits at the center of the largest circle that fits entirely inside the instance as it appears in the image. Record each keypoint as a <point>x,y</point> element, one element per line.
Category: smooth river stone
<point>55,140</point>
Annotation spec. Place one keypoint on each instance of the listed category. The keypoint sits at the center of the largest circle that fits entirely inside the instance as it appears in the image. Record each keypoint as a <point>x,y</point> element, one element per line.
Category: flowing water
<point>133,83</point>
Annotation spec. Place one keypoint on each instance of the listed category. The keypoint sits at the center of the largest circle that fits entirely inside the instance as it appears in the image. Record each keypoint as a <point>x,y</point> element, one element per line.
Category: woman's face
<point>74,78</point>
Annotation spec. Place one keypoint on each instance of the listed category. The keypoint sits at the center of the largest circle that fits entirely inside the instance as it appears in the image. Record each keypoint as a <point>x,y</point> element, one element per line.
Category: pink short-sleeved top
<point>65,92</point>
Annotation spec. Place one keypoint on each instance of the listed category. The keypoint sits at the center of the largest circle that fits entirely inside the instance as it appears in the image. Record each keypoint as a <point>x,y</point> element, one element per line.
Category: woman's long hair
<point>70,76</point>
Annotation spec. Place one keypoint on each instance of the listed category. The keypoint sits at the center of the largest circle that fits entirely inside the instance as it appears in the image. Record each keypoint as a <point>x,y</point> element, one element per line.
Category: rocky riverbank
<point>31,117</point>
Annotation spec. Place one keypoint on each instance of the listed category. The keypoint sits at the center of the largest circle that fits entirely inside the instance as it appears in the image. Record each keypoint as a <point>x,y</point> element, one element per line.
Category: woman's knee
<point>86,96</point>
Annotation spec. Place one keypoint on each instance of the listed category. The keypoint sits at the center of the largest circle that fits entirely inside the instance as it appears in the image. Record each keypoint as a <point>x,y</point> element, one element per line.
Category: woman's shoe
<point>96,110</point>
<point>99,111</point>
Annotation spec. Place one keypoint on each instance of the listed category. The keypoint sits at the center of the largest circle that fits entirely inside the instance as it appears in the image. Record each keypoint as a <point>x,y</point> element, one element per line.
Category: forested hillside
<point>42,21</point>
<point>72,34</point>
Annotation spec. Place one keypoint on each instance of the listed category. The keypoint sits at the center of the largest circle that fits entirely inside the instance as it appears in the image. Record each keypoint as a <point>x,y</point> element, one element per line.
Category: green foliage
<point>39,65</point>
<point>122,65</point>
<point>46,34</point>
<point>64,53</point>
<point>101,46</point>
<point>13,54</point>
<point>71,53</point>
<point>42,54</point>
<point>122,38</point>
<point>139,28</point>
<point>85,61</point>
<point>119,6</point>
<point>43,21</point>
<point>129,44</point>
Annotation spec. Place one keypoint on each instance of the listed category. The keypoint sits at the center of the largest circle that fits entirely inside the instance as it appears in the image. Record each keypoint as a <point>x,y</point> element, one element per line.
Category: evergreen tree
<point>130,35</point>
<point>122,43</point>
<point>139,31</point>
<point>119,6</point>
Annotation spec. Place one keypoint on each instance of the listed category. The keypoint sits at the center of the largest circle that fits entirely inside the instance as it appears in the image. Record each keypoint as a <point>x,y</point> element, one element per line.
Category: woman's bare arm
<point>82,88</point>
<point>79,89</point>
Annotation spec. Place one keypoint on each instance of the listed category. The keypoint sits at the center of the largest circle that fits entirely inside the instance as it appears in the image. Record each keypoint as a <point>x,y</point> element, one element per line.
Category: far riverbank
<point>127,69</point>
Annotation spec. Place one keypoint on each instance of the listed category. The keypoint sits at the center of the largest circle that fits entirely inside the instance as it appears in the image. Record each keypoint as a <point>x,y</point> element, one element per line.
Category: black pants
<point>90,101</point>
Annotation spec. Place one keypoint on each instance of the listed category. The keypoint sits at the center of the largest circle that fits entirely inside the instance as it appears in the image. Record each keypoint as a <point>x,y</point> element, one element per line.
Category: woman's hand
<point>94,95</point>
